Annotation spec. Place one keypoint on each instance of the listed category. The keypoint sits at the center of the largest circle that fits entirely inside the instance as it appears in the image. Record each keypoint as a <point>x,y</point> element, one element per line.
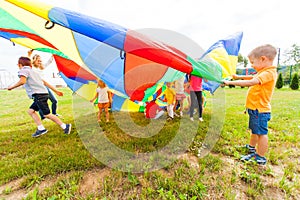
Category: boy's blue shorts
<point>258,122</point>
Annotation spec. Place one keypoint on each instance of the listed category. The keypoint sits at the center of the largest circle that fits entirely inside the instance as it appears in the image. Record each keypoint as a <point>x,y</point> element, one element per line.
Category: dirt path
<point>91,181</point>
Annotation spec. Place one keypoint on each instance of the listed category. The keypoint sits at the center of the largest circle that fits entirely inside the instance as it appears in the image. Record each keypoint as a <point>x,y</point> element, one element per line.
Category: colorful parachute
<point>86,48</point>
<point>225,52</point>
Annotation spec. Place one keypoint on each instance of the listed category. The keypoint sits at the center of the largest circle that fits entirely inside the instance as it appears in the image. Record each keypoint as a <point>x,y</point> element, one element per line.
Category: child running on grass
<point>258,101</point>
<point>104,99</point>
<point>36,89</point>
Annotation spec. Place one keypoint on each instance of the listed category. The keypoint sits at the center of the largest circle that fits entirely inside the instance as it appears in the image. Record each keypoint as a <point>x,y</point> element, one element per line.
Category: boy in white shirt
<point>36,89</point>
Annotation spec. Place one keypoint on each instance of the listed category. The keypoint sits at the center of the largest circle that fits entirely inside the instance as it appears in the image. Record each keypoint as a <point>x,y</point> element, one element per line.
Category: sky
<point>205,22</point>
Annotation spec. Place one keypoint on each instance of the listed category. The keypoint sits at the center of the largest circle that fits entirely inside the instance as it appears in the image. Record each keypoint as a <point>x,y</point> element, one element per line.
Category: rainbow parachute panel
<point>86,49</point>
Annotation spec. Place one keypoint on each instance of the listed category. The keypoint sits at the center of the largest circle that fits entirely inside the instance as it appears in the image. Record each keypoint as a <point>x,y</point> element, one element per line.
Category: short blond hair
<point>264,50</point>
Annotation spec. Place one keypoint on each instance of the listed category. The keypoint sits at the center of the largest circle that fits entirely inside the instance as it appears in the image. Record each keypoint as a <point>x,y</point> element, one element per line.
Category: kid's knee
<point>30,111</point>
<point>47,116</point>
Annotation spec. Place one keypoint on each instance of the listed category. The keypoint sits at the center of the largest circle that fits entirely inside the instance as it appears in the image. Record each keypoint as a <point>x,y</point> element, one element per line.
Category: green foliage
<point>7,190</point>
<point>31,181</point>
<point>65,188</point>
<point>240,58</point>
<point>243,60</point>
<point>295,82</point>
<point>293,54</point>
<point>279,82</point>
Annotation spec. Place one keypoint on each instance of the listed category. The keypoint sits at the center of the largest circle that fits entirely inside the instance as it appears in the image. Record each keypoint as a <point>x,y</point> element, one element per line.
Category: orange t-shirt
<point>259,96</point>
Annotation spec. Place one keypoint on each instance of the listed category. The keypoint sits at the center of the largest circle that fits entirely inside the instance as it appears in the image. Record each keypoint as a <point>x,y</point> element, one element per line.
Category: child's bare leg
<point>35,117</point>
<point>176,103</point>
<point>253,139</point>
<point>181,105</point>
<point>54,118</point>
<point>99,114</point>
<point>107,114</point>
<point>189,102</point>
<point>262,145</point>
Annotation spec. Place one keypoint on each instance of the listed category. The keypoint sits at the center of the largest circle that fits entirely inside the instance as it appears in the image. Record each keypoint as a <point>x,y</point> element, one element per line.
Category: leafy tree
<point>295,82</point>
<point>242,59</point>
<point>293,55</point>
<point>279,83</point>
<point>292,62</point>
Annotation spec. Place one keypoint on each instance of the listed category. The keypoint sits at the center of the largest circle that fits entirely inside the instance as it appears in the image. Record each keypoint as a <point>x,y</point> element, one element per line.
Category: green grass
<point>22,155</point>
<point>64,160</point>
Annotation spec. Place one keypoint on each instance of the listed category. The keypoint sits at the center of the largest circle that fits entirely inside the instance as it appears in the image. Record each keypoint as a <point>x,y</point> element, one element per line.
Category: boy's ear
<point>264,58</point>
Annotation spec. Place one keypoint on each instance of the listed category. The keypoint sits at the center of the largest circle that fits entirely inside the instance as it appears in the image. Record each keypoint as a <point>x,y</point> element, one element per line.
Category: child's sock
<point>41,127</point>
<point>63,126</point>
<point>250,148</point>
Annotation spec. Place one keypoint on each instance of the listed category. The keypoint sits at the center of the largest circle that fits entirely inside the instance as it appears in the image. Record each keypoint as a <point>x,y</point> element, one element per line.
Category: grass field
<point>58,166</point>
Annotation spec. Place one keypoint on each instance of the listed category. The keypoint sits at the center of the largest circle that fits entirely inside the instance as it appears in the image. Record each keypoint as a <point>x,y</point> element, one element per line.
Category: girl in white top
<point>39,67</point>
<point>104,99</point>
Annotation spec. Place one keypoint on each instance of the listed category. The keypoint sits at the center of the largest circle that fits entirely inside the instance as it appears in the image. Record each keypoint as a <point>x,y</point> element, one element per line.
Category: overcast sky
<point>205,22</point>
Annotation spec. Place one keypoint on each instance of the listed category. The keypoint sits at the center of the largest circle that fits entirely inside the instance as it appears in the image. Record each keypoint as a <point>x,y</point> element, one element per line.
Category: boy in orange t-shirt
<point>261,88</point>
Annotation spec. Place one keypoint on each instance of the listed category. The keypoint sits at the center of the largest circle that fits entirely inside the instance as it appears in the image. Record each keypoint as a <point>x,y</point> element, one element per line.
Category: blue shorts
<point>258,122</point>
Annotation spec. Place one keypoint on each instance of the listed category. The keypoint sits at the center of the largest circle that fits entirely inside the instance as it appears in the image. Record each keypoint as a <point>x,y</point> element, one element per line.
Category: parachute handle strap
<point>47,26</point>
<point>122,54</point>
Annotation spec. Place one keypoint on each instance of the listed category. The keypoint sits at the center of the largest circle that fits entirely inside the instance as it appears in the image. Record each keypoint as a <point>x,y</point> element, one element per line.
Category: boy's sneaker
<point>247,157</point>
<point>175,114</point>
<point>260,160</point>
<point>67,130</point>
<point>253,157</point>
<point>250,149</point>
<point>169,118</point>
<point>200,119</point>
<point>192,119</point>
<point>39,133</point>
<point>181,113</point>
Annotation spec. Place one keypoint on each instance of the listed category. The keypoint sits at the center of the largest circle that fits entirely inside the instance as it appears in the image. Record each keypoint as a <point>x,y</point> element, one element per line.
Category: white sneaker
<point>181,113</point>
<point>192,119</point>
<point>175,114</point>
<point>200,119</point>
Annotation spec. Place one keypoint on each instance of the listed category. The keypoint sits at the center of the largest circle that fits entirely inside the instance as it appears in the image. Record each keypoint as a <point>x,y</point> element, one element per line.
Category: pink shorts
<point>180,97</point>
